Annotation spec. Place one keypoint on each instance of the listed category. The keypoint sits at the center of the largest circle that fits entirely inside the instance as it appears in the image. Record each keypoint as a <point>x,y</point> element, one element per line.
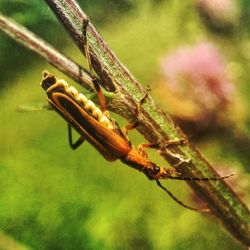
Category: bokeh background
<point>195,55</point>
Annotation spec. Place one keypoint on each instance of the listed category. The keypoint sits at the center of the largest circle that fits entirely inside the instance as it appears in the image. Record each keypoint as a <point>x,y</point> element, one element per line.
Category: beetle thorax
<point>88,105</point>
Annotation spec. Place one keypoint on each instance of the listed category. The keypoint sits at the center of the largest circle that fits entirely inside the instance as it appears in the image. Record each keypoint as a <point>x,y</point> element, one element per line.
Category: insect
<point>98,128</point>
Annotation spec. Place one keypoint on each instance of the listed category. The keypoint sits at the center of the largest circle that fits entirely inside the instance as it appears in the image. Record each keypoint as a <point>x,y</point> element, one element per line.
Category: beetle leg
<point>140,147</point>
<point>135,123</point>
<point>100,95</point>
<point>74,145</point>
<point>130,126</point>
<point>96,85</point>
<point>166,147</point>
<point>181,159</point>
<point>174,142</point>
<point>206,210</point>
<point>148,145</point>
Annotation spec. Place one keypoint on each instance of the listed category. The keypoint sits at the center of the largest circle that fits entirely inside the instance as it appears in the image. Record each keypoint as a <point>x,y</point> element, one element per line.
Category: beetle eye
<point>152,172</point>
<point>156,169</point>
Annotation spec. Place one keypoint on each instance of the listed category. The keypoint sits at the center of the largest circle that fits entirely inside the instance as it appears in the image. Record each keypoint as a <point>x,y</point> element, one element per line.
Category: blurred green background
<point>54,198</point>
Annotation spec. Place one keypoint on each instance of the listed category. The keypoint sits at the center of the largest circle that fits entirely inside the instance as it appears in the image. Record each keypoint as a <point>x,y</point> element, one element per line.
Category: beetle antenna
<point>198,178</point>
<point>206,210</point>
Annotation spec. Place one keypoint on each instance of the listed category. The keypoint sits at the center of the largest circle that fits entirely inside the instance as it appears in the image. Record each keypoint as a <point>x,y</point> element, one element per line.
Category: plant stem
<point>45,50</point>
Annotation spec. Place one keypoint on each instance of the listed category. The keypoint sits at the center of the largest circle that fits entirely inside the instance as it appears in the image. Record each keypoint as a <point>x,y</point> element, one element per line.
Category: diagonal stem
<point>45,50</point>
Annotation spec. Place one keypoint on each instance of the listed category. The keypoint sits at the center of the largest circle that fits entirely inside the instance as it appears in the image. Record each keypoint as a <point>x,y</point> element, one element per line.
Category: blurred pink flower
<point>224,6</point>
<point>199,74</point>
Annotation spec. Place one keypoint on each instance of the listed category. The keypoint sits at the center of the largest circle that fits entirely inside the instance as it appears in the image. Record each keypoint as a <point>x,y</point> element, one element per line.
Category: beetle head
<point>48,80</point>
